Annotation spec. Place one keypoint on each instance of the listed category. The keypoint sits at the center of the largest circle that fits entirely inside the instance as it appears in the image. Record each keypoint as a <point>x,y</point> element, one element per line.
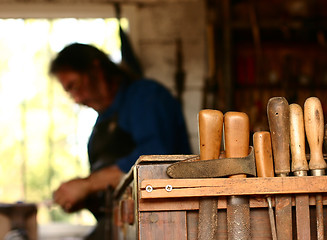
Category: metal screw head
<point>148,188</point>
<point>169,188</point>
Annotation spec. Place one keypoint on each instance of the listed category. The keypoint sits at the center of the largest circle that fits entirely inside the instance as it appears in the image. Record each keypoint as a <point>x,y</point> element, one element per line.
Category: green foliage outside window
<point>43,134</point>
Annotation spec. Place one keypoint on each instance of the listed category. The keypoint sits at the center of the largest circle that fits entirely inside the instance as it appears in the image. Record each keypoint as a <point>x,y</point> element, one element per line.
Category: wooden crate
<point>18,217</point>
<point>166,215</point>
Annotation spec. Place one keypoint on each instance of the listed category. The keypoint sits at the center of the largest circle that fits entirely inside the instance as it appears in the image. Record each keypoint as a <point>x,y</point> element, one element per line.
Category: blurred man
<point>136,117</point>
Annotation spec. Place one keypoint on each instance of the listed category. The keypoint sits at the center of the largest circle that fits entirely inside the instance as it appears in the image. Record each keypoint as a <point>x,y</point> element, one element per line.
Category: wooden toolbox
<point>150,205</point>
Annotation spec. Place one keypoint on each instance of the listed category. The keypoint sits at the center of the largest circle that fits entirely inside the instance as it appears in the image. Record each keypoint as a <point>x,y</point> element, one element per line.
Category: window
<point>43,133</point>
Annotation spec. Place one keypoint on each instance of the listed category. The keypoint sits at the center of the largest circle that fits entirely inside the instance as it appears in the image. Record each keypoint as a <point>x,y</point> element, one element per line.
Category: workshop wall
<point>160,25</point>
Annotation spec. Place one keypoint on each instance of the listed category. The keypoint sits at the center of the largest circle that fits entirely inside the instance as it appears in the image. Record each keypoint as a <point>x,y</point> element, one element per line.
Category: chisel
<point>314,128</point>
<point>279,125</point>
<point>265,168</point>
<point>210,134</point>
<point>237,134</point>
<point>299,168</point>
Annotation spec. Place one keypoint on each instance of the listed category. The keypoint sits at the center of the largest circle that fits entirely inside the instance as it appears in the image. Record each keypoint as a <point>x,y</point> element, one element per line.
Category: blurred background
<point>221,54</point>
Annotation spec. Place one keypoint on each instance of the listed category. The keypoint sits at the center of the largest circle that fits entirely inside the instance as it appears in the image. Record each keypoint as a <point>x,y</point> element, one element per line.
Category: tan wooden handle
<point>314,128</point>
<point>210,132</point>
<point>237,134</point>
<point>297,139</point>
<point>279,125</point>
<point>263,154</point>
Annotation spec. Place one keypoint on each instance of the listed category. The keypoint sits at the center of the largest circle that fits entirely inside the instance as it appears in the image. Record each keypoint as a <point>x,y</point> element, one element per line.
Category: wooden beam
<point>192,204</point>
<point>183,188</point>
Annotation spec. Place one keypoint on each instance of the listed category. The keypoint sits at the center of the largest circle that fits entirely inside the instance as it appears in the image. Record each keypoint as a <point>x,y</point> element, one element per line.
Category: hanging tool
<point>237,145</point>
<point>299,168</point>
<point>265,168</point>
<point>314,128</point>
<point>210,132</point>
<point>130,59</point>
<point>209,95</point>
<point>279,124</point>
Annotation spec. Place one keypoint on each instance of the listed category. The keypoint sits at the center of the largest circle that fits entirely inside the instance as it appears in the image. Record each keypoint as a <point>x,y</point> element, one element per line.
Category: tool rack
<point>150,205</point>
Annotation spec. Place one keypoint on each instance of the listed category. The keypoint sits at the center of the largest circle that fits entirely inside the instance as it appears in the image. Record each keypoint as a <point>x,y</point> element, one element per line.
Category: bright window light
<point>43,133</point>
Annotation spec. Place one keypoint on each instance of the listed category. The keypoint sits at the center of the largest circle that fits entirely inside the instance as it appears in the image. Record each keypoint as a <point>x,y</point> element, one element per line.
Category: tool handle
<point>237,134</point>
<point>297,139</point>
<point>263,154</point>
<point>210,132</point>
<point>279,124</point>
<point>314,128</point>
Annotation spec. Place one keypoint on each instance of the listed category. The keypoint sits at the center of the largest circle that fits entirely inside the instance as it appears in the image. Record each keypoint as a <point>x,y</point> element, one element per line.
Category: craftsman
<point>136,117</point>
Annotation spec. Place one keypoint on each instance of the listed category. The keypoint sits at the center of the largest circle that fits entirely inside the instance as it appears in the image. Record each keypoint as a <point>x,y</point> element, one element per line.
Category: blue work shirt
<point>150,120</point>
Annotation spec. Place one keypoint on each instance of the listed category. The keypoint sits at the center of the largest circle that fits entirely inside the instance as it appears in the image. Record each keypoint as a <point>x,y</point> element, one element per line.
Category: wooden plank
<point>283,212</point>
<point>222,225</point>
<point>232,186</point>
<point>146,172</point>
<point>192,225</point>
<point>163,225</point>
<point>165,158</point>
<point>168,204</point>
<point>154,225</point>
<point>302,217</point>
<point>260,226</point>
<point>193,203</point>
<point>189,204</point>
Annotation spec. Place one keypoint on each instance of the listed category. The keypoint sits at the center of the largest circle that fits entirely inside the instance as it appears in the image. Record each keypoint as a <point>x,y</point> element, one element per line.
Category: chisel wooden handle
<point>314,128</point>
<point>237,134</point>
<point>263,154</point>
<point>237,145</point>
<point>279,124</point>
<point>299,168</point>
<point>210,132</point>
<point>278,118</point>
<point>265,168</point>
<point>297,139</point>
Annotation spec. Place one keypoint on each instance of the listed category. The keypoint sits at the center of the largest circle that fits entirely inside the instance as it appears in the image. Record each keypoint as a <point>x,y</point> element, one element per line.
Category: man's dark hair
<point>81,58</point>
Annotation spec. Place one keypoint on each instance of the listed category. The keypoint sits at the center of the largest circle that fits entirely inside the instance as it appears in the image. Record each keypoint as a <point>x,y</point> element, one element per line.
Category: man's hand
<point>72,193</point>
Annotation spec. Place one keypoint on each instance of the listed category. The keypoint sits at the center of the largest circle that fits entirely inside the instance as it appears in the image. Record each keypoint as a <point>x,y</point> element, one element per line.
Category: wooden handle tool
<point>314,128</point>
<point>237,135</point>
<point>210,133</point>
<point>299,160</point>
<point>265,168</point>
<point>279,124</point>
<point>299,168</point>
<point>263,154</point>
